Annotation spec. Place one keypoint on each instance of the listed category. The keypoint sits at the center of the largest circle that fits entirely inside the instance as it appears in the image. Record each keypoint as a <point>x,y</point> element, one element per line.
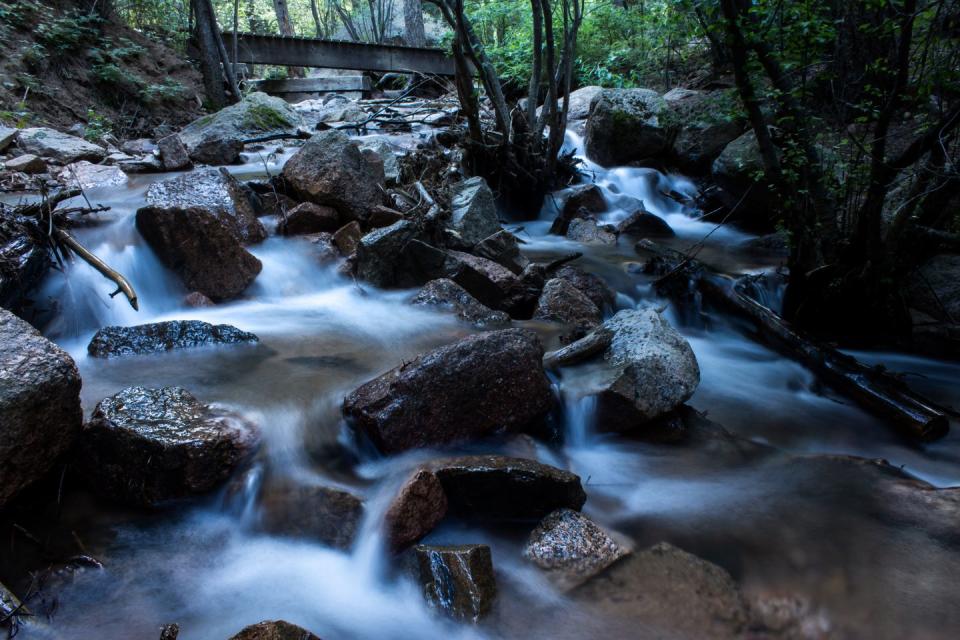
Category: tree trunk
<point>209,55</point>
<point>413,31</point>
<point>285,25</point>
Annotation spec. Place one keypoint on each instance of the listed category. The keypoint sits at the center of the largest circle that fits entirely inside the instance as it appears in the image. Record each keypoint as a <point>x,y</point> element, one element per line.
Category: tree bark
<point>285,25</point>
<point>209,55</point>
<point>413,30</point>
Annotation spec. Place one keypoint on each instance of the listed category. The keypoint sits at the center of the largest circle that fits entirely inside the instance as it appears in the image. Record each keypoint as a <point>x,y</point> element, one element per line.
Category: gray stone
<point>591,285</point>
<point>163,336</point>
<point>7,136</point>
<point>173,153</point>
<point>504,249</point>
<point>379,253</point>
<point>62,147</point>
<point>27,163</point>
<point>648,369</point>
<point>570,548</point>
<point>562,302</point>
<point>581,202</point>
<point>39,402</point>
<point>626,125</point>
<point>589,231</point>
<point>473,213</point>
<point>139,146</point>
<point>448,295</point>
<point>146,446</point>
<point>644,224</point>
<point>458,580</point>
<point>86,175</point>
<point>391,165</point>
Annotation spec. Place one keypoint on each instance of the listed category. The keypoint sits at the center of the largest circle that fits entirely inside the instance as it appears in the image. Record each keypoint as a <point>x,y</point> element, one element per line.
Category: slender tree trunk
<point>414,34</point>
<point>317,23</point>
<point>209,55</point>
<point>285,25</point>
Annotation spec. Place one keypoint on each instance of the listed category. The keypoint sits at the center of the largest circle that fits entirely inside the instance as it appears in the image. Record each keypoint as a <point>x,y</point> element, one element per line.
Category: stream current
<point>778,528</point>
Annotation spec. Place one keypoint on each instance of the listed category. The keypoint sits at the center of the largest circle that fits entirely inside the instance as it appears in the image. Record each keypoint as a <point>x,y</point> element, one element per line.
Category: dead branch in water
<point>875,389</point>
<point>123,285</point>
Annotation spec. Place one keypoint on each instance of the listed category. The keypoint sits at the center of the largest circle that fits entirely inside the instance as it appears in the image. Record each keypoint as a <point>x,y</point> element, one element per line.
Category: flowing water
<point>778,528</point>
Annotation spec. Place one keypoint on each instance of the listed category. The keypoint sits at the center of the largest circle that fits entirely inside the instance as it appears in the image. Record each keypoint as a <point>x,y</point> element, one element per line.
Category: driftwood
<point>873,388</point>
<point>123,285</point>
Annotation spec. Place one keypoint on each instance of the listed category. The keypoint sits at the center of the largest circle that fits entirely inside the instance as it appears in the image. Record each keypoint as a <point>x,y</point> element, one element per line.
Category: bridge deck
<point>338,54</point>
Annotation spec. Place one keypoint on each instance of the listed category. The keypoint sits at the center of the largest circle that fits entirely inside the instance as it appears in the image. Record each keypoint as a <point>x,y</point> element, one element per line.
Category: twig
<point>123,285</point>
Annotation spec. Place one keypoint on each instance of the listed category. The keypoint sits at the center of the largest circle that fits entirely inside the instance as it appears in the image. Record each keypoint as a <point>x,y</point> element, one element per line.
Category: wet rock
<point>62,147</point>
<point>145,446</point>
<point>500,487</point>
<point>582,202</point>
<point>626,125</point>
<point>275,204</point>
<point>87,175</point>
<point>214,190</point>
<point>391,165</point>
<point>217,138</point>
<point>382,216</point>
<point>380,252</point>
<point>589,231</point>
<point>703,126</point>
<point>11,610</point>
<point>197,300</point>
<point>173,153</point>
<point>564,303</point>
<point>24,259</point>
<point>138,146</point>
<point>571,548</point>
<point>163,336</point>
<point>590,285</point>
<point>668,589</point>
<point>196,245</point>
<point>27,163</point>
<point>326,251</point>
<point>458,580</point>
<point>450,296</point>
<point>329,515</point>
<point>473,213</point>
<point>331,170</point>
<point>482,384</point>
<point>39,405</point>
<point>503,248</point>
<point>644,224</point>
<point>310,218</point>
<point>347,238</point>
<point>170,632</point>
<point>648,368</point>
<point>274,630</point>
<point>144,164</point>
<point>418,507</point>
<point>7,136</point>
<point>486,280</point>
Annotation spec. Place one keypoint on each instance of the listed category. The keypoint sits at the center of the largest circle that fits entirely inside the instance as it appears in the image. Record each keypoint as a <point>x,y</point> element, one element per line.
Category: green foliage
<point>275,73</point>
<point>117,78</point>
<point>20,117</point>
<point>97,126</point>
<point>167,91</point>
<point>69,32</point>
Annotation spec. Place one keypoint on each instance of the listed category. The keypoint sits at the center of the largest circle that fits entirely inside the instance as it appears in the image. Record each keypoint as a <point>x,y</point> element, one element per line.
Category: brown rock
<point>308,218</point>
<point>27,163</point>
<point>564,303</point>
<point>197,300</point>
<point>592,286</point>
<point>274,630</point>
<point>418,507</point>
<point>583,201</point>
<point>447,294</point>
<point>326,514</point>
<point>348,237</point>
<point>382,216</point>
<point>173,153</point>
<point>644,224</point>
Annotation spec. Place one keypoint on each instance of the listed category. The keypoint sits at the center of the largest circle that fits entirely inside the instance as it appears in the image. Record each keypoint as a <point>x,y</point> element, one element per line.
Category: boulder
<point>503,248</point>
<point>570,548</point>
<point>273,203</point>
<point>391,165</point>
<point>204,252</point>
<point>579,109</point>
<point>326,514</point>
<point>626,125</point>
<point>486,280</point>
<point>274,630</point>
<point>146,446</point>
<point>480,385</point>
<point>138,146</point>
<point>216,191</point>
<point>39,402</point>
<point>644,224</point>
<point>163,336</point>
<point>582,201</point>
<point>473,213</point>
<point>648,369</point>
<point>592,286</point>
<point>217,138</point>
<point>418,507</point>
<point>62,147</point>
<point>7,136</point>
<point>86,175</point>
<point>458,580</point>
<point>380,253</point>
<point>308,218</point>
<point>347,238</point>
<point>589,231</point>
<point>562,302</point>
<point>24,259</point>
<point>331,170</point>
<point>450,296</point>
<point>173,153</point>
<point>27,163</point>
<point>703,126</point>
<point>504,488</point>
<point>735,171</point>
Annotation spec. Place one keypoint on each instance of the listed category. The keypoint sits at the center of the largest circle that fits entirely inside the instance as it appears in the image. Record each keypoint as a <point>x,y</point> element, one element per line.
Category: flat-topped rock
<point>63,147</point>
<point>163,336</point>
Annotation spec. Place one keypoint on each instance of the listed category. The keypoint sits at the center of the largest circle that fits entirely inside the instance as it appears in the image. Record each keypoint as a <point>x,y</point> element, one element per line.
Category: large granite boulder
<point>203,251</point>
<point>626,125</point>
<point>274,630</point>
<point>483,384</point>
<point>330,169</point>
<point>703,126</point>
<point>62,147</point>
<point>217,138</point>
<point>381,255</point>
<point>648,369</point>
<point>216,191</point>
<point>473,213</point>
<point>163,336</point>
<point>146,446</point>
<point>446,294</point>
<point>505,488</point>
<point>39,405</point>
<point>458,580</point>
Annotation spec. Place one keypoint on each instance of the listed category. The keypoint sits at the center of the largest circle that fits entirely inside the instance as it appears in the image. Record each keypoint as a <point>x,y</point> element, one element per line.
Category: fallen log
<point>873,388</point>
<point>123,285</point>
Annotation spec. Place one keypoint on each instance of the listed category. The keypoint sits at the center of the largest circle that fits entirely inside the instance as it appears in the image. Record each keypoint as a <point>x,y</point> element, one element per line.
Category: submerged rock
<point>562,302</point>
<point>582,202</point>
<point>196,245</point>
<point>217,138</point>
<point>163,336</point>
<point>648,368</point>
<point>448,295</point>
<point>571,548</point>
<point>274,630</point>
<point>644,224</point>
<point>331,170</point>
<point>473,213</point>
<point>478,386</point>
<point>329,515</point>
<point>62,147</point>
<point>589,231</point>
<point>500,487</point>
<point>418,507</point>
<point>145,446</point>
<point>40,415</point>
<point>458,580</point>
<point>626,125</point>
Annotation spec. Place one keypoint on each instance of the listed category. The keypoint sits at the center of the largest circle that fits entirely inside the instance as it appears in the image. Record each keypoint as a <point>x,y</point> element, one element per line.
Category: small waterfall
<point>580,412</point>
